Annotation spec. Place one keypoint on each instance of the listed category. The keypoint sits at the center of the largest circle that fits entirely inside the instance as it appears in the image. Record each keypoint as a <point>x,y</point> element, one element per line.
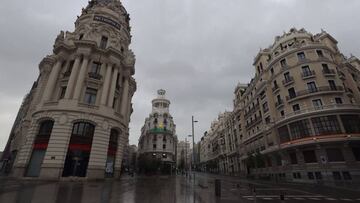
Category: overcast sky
<point>197,50</point>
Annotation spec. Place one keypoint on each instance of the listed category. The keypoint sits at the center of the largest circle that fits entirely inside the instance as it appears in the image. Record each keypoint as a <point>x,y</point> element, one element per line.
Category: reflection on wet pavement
<point>141,189</point>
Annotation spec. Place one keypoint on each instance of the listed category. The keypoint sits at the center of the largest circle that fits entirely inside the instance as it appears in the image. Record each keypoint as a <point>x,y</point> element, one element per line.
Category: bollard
<point>282,198</point>
<point>217,188</point>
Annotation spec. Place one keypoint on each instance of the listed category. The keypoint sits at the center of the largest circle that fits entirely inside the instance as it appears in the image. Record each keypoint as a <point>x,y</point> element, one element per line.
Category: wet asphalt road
<point>167,189</point>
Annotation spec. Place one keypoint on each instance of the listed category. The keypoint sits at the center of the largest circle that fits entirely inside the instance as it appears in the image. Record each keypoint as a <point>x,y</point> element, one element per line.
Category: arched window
<point>83,129</point>
<point>46,128</point>
<point>114,135</point>
<point>43,136</point>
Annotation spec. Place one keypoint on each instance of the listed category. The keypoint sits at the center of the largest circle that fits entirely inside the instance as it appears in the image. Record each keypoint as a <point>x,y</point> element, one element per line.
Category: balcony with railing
<point>320,109</point>
<point>252,110</point>
<point>95,76</point>
<point>254,122</point>
<point>275,88</point>
<point>329,72</point>
<point>308,74</point>
<point>314,90</point>
<point>288,81</point>
<point>66,74</point>
<point>279,103</point>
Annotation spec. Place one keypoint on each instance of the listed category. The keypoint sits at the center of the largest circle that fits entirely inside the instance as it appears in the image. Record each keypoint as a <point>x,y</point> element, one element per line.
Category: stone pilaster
<point>113,87</point>
<point>125,97</point>
<point>98,155</point>
<point>105,91</point>
<point>57,148</point>
<point>81,78</point>
<point>72,79</point>
<point>54,74</point>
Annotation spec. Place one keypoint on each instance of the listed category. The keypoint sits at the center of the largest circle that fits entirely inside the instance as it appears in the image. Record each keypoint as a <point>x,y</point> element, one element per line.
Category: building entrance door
<point>76,163</point>
<point>36,160</point>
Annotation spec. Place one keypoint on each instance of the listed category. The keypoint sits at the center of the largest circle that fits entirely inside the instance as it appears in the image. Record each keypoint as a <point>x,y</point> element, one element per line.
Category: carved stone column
<point>105,91</point>
<point>71,83</point>
<point>54,74</point>
<point>112,88</point>
<point>81,78</point>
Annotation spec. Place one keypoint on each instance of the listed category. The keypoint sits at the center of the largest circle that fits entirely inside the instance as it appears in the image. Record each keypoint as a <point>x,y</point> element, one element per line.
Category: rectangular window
<point>284,134</point>
<point>283,63</point>
<point>351,123</point>
<point>326,125</point>
<point>318,175</point>
<point>336,175</point>
<point>154,146</point>
<point>62,92</point>
<point>95,68</point>
<point>317,103</point>
<point>312,87</point>
<point>334,155</point>
<point>265,107</point>
<point>301,56</point>
<point>90,96</point>
<point>164,146</point>
<point>293,158</point>
<point>332,84</point>
<point>71,66</point>
<point>311,175</point>
<point>292,93</point>
<point>306,71</point>
<point>309,156</point>
<point>319,53</point>
<point>296,107</point>
<point>275,85</point>
<point>356,152</point>
<point>103,43</point>
<point>300,129</point>
<point>346,175</point>
<point>338,100</point>
<point>325,68</point>
<point>287,77</point>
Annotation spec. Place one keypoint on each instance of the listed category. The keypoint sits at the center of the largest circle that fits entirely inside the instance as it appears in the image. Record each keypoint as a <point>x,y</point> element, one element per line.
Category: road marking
<point>314,198</point>
<point>267,198</point>
<point>330,199</point>
<point>299,198</point>
<point>345,199</point>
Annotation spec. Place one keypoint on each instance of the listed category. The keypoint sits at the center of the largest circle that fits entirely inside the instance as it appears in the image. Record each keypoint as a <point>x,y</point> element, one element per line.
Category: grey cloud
<point>197,50</point>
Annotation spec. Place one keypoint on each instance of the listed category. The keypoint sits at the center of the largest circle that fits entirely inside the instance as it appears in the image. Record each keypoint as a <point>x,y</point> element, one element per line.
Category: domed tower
<point>158,136</point>
<point>79,111</point>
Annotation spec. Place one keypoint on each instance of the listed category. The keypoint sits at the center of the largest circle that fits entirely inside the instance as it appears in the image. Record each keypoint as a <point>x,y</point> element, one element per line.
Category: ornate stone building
<point>299,117</point>
<point>75,120</point>
<point>158,140</point>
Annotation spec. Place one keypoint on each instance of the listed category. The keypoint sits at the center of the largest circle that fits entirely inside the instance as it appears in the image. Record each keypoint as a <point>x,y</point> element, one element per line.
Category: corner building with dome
<point>158,140</point>
<point>74,122</point>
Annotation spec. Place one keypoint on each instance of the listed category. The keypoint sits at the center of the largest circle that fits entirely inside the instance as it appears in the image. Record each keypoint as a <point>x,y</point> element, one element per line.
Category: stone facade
<point>183,156</point>
<point>74,122</point>
<point>297,120</point>
<point>158,139</point>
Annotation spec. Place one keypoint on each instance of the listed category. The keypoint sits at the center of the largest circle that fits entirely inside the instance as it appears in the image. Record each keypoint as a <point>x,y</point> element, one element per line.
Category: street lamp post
<point>193,139</point>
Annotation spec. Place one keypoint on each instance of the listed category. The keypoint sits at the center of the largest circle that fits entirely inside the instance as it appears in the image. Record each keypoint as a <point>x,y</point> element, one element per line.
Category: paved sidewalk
<point>162,189</point>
